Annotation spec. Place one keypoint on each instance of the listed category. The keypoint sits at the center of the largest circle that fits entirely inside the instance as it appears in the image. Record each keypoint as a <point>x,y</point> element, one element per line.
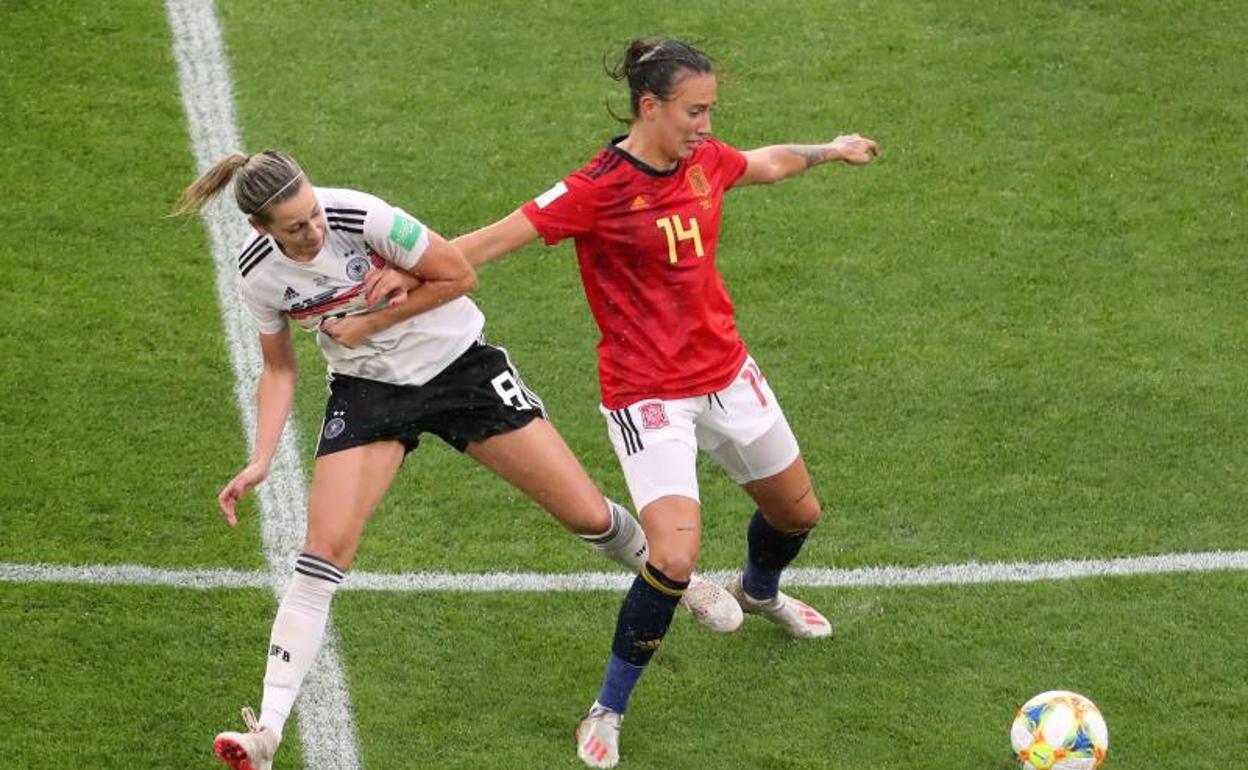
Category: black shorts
<point>480,394</point>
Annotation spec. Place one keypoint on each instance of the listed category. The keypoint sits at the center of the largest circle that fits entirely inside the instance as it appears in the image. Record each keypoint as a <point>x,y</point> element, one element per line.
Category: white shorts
<point>741,426</point>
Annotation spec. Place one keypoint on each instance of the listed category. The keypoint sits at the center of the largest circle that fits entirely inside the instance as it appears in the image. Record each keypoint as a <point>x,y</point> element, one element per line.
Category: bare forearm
<point>799,157</point>
<point>497,240</point>
<point>423,297</point>
<point>275,393</point>
<point>478,247</point>
<point>789,160</point>
<point>773,163</point>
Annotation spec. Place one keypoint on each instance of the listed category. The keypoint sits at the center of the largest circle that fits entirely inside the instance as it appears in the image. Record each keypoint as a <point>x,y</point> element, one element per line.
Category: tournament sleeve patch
<point>551,195</point>
<point>405,231</point>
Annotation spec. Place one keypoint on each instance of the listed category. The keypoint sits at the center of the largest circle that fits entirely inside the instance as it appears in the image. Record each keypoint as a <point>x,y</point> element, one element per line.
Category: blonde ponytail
<point>209,184</point>
<point>260,181</point>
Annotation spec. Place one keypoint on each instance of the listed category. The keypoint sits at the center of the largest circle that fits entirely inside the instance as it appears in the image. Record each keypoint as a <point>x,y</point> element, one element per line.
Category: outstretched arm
<point>767,165</point>
<point>495,241</point>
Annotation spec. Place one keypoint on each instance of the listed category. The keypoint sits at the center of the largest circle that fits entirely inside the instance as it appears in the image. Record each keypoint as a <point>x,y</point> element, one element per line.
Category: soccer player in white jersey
<point>418,364</point>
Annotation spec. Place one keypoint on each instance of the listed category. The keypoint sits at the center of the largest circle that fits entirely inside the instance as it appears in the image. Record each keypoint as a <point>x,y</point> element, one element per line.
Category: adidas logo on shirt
<point>290,294</point>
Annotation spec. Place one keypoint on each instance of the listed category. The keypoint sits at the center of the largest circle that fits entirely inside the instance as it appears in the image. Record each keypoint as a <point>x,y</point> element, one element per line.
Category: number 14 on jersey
<point>675,230</point>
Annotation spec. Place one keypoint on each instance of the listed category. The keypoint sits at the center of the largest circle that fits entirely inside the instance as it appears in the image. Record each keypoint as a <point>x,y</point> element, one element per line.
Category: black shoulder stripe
<point>607,166</point>
<point>345,220</point>
<point>257,259</point>
<point>359,212</point>
<point>594,169</point>
<point>251,248</point>
<point>346,228</point>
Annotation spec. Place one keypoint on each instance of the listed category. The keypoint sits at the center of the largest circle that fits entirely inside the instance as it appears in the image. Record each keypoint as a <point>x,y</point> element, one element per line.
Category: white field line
<point>520,582</point>
<point>325,724</point>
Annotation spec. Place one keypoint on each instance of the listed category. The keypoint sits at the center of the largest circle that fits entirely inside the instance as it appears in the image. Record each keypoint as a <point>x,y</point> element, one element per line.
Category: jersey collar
<point>640,165</point>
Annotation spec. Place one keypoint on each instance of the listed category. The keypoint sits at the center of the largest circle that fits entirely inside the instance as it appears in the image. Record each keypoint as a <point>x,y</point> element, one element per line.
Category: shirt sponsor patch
<point>551,195</point>
<point>405,231</point>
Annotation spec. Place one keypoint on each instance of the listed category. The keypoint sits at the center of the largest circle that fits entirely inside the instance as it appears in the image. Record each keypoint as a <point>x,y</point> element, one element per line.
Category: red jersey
<point>645,241</point>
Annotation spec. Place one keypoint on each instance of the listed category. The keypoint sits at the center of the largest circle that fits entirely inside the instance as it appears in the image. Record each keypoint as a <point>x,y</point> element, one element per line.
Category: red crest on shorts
<point>652,416</point>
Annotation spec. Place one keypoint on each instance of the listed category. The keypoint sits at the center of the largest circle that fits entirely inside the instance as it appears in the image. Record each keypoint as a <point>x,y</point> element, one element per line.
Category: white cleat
<point>598,737</point>
<point>712,606</point>
<point>798,619</point>
<point>252,750</point>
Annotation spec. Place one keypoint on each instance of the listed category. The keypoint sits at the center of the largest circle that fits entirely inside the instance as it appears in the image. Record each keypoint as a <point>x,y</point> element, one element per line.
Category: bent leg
<point>536,460</point>
<point>346,487</point>
<point>787,499</point>
<point>787,511</point>
<point>771,470</point>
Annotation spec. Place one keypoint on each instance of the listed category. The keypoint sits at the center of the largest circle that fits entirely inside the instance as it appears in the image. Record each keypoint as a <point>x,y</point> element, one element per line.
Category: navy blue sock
<point>770,551</point>
<point>643,621</point>
<point>618,684</point>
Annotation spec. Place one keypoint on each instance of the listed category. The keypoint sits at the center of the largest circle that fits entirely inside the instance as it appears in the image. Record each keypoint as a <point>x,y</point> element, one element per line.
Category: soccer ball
<point>1059,730</point>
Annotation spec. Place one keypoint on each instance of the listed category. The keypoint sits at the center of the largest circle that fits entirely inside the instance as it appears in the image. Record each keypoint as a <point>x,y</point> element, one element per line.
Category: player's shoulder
<point>600,166</point>
<point>255,250</point>
<point>713,147</point>
<point>346,210</point>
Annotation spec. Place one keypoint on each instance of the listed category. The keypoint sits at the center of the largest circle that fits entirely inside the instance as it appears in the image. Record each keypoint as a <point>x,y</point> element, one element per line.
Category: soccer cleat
<point>252,750</point>
<point>712,605</point>
<point>798,619</point>
<point>598,737</point>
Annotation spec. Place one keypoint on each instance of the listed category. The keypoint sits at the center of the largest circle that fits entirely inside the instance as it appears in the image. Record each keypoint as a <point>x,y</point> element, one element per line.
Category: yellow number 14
<point>675,230</point>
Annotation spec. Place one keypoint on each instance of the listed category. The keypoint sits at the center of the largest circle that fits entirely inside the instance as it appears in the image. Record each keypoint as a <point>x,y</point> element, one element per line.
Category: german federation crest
<point>334,428</point>
<point>356,268</point>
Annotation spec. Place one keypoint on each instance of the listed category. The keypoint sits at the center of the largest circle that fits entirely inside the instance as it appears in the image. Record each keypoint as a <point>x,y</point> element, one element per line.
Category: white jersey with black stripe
<point>362,232</point>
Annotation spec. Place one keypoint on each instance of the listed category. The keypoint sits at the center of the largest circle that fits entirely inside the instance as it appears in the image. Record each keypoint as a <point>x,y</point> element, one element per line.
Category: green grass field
<point>1017,337</point>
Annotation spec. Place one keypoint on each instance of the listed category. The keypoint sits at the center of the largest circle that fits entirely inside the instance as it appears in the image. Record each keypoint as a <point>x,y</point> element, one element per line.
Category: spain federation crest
<point>697,181</point>
<point>653,416</point>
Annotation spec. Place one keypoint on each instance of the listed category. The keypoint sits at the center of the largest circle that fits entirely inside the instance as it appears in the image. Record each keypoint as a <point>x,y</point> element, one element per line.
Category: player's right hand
<point>855,149</point>
<point>247,478</point>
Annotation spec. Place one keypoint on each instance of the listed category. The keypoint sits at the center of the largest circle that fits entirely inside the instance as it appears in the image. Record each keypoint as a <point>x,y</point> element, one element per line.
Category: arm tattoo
<point>813,154</point>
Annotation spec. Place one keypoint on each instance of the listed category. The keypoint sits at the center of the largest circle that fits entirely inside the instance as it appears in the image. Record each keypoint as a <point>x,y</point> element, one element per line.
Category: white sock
<point>624,542</point>
<point>296,638</point>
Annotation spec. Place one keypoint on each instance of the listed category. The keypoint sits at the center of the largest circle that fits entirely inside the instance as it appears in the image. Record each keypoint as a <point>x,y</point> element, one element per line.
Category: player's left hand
<point>389,285</point>
<point>855,149</point>
<point>349,331</point>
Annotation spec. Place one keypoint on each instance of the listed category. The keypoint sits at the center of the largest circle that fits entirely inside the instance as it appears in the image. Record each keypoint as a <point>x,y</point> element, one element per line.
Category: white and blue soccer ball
<point>1059,730</point>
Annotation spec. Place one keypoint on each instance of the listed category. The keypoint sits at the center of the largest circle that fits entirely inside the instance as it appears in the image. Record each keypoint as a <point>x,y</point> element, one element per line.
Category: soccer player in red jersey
<point>675,374</point>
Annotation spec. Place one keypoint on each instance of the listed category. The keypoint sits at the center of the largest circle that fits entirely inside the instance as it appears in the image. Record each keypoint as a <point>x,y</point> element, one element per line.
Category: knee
<point>586,520</point>
<point>676,565</point>
<point>809,519</point>
<point>798,518</point>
